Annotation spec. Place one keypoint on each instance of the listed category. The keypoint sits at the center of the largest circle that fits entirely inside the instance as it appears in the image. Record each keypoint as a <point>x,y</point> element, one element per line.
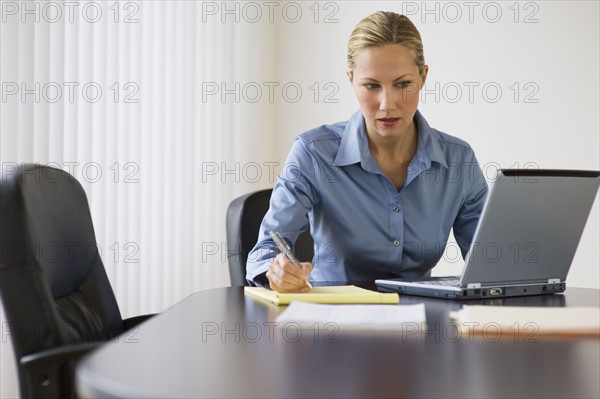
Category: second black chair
<point>244,217</point>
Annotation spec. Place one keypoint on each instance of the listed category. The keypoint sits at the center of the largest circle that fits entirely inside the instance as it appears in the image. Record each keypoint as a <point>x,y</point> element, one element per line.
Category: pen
<point>287,251</point>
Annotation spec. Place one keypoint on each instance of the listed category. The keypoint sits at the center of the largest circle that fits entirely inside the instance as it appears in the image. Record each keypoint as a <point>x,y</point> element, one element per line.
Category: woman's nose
<point>387,101</point>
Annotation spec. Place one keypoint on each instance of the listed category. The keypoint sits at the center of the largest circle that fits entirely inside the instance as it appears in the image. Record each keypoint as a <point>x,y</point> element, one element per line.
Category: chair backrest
<point>53,285</point>
<point>244,217</point>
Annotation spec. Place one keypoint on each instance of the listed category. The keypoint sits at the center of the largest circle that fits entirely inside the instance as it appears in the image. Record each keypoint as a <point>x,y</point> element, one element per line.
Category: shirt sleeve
<point>292,199</point>
<point>472,206</point>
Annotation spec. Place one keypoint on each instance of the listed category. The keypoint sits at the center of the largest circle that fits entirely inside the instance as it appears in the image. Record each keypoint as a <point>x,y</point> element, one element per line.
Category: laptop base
<point>405,286</point>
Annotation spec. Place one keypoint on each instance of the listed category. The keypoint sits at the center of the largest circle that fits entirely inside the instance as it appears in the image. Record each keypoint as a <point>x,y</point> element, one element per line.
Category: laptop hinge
<point>553,281</point>
<point>474,285</point>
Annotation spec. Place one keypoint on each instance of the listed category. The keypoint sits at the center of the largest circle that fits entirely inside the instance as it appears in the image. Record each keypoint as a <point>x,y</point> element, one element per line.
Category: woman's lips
<point>388,122</point>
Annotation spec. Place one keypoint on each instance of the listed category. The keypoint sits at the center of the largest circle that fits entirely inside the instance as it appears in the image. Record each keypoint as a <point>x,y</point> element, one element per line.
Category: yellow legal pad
<point>332,294</point>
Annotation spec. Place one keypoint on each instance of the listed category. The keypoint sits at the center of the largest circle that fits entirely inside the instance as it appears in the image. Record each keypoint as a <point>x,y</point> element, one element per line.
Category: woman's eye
<point>403,85</point>
<point>370,86</point>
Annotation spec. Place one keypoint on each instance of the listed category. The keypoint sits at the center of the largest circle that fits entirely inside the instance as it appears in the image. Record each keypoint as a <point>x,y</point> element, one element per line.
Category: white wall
<point>546,65</point>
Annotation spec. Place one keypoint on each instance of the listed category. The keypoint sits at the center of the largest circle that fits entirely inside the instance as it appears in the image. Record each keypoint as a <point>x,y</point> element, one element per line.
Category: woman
<point>382,190</point>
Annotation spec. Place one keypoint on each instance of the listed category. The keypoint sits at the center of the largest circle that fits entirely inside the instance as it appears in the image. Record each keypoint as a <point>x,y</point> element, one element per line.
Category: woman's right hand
<point>284,276</point>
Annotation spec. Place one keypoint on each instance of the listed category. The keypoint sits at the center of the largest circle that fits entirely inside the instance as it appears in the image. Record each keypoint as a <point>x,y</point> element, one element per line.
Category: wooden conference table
<point>219,343</point>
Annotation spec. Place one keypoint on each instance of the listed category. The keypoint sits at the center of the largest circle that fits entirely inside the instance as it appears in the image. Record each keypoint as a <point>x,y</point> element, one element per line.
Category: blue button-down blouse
<point>363,227</point>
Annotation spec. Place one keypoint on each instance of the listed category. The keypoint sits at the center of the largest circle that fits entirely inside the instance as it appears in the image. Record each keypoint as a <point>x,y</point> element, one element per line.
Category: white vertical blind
<point>120,106</point>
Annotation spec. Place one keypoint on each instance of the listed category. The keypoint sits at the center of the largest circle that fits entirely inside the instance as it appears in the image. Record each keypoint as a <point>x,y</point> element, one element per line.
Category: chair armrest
<point>134,321</point>
<point>49,373</point>
<point>58,355</point>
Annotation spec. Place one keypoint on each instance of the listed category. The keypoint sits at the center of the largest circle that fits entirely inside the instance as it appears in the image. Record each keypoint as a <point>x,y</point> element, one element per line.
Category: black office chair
<point>244,217</point>
<point>56,295</point>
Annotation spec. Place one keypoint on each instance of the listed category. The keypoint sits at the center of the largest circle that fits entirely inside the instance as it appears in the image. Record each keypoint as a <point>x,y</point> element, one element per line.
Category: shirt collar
<point>354,147</point>
<point>429,147</point>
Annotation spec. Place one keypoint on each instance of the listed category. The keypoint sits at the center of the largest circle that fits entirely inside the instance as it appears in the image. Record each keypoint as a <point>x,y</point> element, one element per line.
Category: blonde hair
<point>385,27</point>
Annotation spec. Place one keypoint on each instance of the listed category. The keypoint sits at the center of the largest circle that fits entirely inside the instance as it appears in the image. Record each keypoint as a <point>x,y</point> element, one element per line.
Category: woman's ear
<point>424,75</point>
<point>349,74</point>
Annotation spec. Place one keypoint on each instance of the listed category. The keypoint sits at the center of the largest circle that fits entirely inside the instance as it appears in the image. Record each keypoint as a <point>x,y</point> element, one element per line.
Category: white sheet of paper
<point>543,318</point>
<point>355,317</point>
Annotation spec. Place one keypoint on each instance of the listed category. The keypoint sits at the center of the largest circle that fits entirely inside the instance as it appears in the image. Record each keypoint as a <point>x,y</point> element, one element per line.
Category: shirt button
<point>396,209</point>
<point>396,243</point>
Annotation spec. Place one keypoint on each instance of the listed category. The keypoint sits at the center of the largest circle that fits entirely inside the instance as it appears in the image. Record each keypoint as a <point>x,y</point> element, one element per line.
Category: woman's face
<point>386,81</point>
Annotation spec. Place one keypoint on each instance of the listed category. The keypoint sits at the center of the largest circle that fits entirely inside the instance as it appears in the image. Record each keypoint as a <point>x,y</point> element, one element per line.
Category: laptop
<point>525,240</point>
